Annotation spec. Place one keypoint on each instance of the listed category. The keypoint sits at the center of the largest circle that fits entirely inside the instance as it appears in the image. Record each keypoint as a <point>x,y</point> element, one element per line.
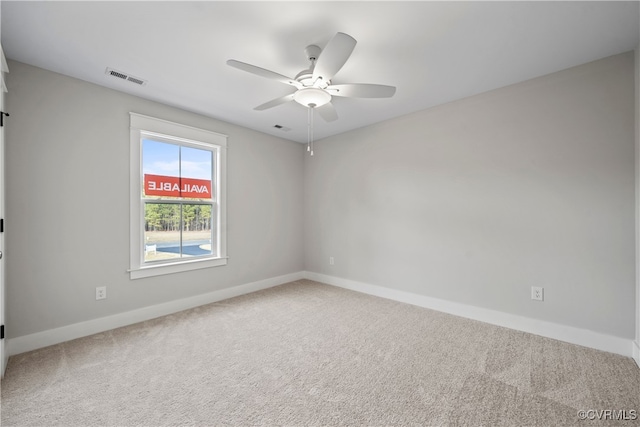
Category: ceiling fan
<point>313,85</point>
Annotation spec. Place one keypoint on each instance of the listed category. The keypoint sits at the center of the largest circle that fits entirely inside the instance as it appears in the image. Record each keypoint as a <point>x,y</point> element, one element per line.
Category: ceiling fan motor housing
<point>305,77</point>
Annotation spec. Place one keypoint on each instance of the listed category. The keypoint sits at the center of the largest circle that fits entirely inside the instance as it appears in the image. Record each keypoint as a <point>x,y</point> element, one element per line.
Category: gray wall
<point>478,200</point>
<point>68,204</point>
<point>474,201</point>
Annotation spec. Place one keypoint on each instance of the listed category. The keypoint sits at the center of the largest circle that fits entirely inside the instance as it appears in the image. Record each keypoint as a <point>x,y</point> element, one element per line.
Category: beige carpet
<point>311,354</point>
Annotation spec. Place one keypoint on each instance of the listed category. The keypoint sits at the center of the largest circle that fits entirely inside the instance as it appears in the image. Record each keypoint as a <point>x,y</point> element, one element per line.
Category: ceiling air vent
<point>282,128</point>
<point>124,76</point>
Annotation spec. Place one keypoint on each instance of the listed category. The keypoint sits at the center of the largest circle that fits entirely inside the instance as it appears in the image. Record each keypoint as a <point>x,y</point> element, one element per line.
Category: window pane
<point>197,237</point>
<point>171,170</point>
<point>196,173</point>
<point>161,231</point>
<point>160,168</point>
<point>178,231</point>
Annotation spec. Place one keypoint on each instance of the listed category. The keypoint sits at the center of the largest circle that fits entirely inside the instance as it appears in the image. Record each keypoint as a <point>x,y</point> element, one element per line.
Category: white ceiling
<point>433,52</point>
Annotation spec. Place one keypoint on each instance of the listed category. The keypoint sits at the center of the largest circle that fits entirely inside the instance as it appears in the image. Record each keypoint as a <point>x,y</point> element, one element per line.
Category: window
<point>178,194</point>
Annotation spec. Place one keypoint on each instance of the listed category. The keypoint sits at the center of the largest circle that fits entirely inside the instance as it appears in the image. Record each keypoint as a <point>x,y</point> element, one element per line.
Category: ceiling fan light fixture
<point>312,96</point>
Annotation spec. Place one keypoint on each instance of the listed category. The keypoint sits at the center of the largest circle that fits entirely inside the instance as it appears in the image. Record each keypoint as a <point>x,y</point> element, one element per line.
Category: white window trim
<point>141,123</point>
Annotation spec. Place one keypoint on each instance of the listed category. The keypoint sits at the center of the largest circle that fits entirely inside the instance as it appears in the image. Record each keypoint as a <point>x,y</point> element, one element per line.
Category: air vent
<point>282,128</point>
<point>124,76</point>
<point>118,75</point>
<point>135,80</point>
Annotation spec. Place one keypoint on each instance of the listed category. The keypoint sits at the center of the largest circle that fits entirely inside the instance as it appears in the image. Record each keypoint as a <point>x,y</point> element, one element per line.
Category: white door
<point>3,354</point>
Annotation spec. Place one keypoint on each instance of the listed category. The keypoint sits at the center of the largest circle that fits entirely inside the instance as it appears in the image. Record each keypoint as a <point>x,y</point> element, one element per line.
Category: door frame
<point>4,356</point>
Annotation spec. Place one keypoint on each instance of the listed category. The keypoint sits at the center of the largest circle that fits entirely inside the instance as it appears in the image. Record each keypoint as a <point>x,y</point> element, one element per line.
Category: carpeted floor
<point>311,354</point>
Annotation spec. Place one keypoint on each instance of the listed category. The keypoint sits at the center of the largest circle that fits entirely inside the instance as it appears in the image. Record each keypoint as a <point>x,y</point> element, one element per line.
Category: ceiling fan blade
<point>362,90</point>
<point>334,56</point>
<point>275,102</point>
<point>262,72</point>
<point>327,112</point>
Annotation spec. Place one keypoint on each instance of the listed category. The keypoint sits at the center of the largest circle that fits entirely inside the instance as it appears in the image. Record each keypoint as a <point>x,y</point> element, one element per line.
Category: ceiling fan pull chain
<point>311,112</point>
<point>309,130</point>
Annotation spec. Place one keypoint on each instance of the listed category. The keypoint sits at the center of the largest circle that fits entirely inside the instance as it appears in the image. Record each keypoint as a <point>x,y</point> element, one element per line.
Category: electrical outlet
<point>537,293</point>
<point>101,292</point>
<point>331,260</point>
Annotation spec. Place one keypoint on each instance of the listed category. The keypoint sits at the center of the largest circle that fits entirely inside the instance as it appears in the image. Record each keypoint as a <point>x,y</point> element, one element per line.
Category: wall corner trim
<point>636,353</point>
<point>570,334</point>
<point>49,337</point>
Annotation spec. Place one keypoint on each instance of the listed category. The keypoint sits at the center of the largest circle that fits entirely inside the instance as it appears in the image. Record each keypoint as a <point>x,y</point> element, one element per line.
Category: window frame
<point>144,126</point>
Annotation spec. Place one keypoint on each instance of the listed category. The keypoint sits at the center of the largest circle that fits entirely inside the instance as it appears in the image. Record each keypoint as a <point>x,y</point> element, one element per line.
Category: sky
<point>161,158</point>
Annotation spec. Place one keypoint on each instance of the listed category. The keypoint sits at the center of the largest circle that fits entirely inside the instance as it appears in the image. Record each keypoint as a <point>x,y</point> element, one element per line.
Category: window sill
<point>176,267</point>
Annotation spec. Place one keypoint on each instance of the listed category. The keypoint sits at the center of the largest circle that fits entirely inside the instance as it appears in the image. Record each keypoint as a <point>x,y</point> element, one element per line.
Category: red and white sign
<point>173,186</point>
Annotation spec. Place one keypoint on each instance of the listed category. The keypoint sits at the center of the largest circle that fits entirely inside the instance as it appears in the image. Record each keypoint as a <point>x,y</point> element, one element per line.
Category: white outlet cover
<point>537,293</point>
<point>101,292</point>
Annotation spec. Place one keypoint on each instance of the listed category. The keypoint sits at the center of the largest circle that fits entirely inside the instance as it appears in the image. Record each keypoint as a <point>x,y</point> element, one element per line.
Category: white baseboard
<point>560,332</point>
<point>3,362</point>
<point>78,330</point>
<point>543,328</point>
